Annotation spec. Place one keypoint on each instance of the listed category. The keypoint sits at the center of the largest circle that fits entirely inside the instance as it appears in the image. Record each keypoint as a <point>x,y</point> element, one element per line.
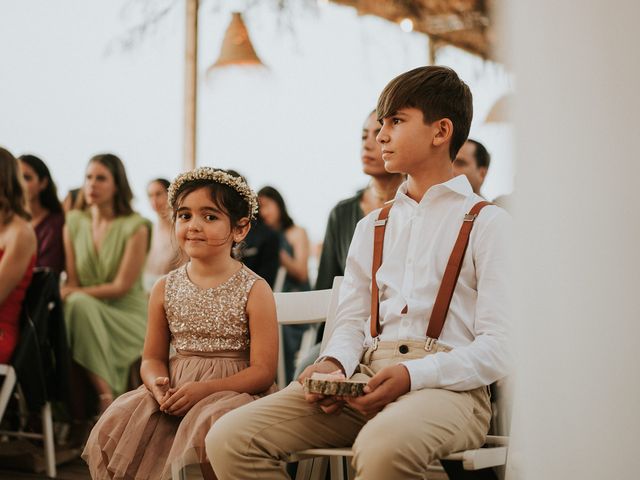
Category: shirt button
<point>403,349</point>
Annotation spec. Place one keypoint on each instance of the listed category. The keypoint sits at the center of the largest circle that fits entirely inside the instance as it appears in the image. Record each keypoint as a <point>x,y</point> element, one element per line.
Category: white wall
<point>578,231</point>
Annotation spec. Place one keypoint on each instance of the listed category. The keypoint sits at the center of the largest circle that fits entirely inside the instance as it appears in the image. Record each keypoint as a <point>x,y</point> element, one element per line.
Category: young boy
<point>425,398</point>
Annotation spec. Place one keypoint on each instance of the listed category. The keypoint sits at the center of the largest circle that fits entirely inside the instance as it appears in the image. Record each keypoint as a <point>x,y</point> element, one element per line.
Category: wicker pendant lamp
<point>236,46</point>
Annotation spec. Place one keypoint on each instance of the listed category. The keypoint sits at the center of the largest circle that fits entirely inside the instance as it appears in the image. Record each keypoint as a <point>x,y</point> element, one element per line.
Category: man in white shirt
<point>425,398</point>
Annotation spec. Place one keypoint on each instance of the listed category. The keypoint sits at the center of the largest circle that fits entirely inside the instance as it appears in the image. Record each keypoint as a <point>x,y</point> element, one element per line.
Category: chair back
<point>315,306</point>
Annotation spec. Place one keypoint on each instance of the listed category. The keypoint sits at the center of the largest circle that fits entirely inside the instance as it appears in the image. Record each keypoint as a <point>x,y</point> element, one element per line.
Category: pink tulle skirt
<point>134,440</point>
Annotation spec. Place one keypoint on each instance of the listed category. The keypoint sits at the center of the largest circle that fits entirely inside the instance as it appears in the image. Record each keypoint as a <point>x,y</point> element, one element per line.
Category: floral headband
<point>218,176</point>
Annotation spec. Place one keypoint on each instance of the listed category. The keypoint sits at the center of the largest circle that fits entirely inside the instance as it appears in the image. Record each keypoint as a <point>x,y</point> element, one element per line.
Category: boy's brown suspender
<point>449,279</point>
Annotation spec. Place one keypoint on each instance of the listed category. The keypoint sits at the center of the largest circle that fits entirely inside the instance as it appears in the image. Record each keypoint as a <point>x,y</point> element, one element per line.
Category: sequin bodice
<point>208,320</point>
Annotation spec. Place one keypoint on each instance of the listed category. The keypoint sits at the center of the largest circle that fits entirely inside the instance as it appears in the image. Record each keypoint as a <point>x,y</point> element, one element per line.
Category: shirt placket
<point>408,281</point>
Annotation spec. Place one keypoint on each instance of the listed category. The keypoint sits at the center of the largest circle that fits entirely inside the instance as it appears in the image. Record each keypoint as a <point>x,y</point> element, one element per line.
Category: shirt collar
<point>459,185</point>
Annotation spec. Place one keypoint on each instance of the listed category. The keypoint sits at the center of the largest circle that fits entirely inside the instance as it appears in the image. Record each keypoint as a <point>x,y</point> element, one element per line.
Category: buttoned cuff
<point>348,363</point>
<point>423,373</point>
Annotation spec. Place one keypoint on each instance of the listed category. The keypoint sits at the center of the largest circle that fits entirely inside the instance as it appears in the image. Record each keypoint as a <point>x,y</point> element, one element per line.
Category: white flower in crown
<point>218,176</point>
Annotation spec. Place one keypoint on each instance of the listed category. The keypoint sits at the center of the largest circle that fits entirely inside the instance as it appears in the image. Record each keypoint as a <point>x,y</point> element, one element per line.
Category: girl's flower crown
<point>218,176</point>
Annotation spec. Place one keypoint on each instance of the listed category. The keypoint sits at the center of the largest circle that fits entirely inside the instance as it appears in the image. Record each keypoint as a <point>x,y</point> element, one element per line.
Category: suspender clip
<point>374,345</point>
<point>380,223</point>
<point>470,217</point>
<point>430,343</point>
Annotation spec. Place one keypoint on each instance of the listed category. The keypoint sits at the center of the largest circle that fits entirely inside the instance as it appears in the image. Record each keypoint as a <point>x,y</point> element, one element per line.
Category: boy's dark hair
<point>49,196</point>
<point>483,159</point>
<point>436,91</point>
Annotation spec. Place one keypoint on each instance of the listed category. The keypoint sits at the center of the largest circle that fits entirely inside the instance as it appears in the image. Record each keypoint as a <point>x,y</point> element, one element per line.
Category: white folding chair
<point>8,386</point>
<point>313,462</point>
<point>294,308</point>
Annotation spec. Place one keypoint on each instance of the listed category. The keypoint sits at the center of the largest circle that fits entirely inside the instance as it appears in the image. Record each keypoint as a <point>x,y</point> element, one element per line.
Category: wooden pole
<point>191,85</point>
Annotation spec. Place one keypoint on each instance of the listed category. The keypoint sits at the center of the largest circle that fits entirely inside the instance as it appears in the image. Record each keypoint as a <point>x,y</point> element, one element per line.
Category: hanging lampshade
<point>500,112</point>
<point>236,46</point>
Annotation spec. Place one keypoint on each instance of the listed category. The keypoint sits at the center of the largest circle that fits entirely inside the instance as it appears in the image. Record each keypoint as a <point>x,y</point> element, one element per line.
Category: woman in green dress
<point>105,306</point>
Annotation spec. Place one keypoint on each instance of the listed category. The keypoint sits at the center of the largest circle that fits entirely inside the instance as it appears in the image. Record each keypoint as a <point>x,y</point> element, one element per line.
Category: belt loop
<point>430,343</point>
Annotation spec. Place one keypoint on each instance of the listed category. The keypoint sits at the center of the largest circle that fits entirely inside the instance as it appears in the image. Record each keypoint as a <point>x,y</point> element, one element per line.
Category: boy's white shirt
<point>418,241</point>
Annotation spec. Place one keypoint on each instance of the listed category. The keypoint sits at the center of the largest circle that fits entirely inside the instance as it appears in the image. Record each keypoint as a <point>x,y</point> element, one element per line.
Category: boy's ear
<point>444,131</point>
<point>241,230</point>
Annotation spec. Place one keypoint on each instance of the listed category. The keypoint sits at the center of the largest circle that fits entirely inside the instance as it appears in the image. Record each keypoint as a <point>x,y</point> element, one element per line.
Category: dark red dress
<point>10,314</point>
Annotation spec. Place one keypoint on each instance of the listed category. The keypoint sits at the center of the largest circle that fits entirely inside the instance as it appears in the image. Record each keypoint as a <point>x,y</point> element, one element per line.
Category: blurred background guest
<point>105,308</point>
<point>47,217</point>
<point>18,246</point>
<point>472,160</point>
<point>164,254</point>
<point>294,258</point>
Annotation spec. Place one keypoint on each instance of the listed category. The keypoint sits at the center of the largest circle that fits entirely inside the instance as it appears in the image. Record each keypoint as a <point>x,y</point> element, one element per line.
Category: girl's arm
<point>297,266</point>
<point>259,376</point>
<point>154,370</point>
<point>135,253</point>
<point>20,247</point>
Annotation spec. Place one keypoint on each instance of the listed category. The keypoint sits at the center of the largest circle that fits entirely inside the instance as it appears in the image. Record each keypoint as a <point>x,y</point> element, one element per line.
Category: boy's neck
<point>422,180</point>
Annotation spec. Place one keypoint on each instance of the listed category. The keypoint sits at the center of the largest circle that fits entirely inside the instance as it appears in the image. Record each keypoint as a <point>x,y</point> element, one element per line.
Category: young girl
<point>221,319</point>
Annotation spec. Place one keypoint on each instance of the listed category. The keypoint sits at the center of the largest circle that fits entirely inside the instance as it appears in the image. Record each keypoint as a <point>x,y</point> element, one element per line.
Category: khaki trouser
<point>253,441</point>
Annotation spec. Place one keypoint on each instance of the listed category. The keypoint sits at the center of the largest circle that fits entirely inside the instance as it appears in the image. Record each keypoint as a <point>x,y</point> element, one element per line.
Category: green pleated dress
<point>105,335</point>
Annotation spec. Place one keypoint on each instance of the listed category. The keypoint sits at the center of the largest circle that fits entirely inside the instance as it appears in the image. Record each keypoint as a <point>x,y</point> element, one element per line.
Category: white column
<point>577,215</point>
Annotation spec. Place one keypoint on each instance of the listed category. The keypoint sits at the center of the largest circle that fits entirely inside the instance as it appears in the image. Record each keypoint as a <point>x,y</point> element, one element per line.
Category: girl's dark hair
<point>123,196</point>
<point>49,196</point>
<point>12,196</point>
<point>223,196</point>
<point>269,192</point>
<point>162,181</point>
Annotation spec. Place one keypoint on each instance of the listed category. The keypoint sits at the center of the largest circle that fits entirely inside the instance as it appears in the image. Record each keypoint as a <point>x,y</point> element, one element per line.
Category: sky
<point>69,90</point>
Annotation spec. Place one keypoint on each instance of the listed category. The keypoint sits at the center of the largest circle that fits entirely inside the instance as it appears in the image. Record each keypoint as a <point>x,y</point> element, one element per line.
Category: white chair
<point>8,386</point>
<point>294,308</point>
<point>313,462</point>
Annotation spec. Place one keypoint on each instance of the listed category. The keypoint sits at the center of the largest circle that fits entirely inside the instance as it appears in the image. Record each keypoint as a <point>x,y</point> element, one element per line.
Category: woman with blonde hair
<point>17,252</point>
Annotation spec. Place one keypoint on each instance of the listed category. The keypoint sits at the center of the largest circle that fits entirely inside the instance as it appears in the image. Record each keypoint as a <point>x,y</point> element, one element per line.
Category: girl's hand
<point>160,388</point>
<point>180,400</point>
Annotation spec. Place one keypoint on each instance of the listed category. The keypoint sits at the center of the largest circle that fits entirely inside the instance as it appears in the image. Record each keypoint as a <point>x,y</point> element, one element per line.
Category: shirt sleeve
<point>487,358</point>
<point>347,340</point>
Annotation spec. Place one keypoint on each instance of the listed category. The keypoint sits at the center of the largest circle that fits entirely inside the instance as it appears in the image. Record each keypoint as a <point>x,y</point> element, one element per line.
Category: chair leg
<point>7,386</point>
<point>336,468</point>
<point>49,448</point>
<point>178,473</point>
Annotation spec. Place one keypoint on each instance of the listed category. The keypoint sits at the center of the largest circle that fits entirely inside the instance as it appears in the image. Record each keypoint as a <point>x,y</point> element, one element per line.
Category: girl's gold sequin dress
<point>210,333</point>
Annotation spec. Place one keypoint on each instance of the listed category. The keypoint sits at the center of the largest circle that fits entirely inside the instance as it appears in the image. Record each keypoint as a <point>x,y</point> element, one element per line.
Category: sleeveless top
<point>211,319</point>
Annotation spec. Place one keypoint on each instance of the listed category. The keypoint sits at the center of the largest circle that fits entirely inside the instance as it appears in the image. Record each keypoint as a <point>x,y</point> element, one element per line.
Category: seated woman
<point>47,217</point>
<point>17,253</point>
<point>164,254</point>
<point>105,306</point>
<point>294,257</point>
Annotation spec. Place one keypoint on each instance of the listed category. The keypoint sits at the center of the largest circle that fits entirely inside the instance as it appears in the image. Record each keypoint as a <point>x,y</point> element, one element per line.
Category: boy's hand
<point>383,388</point>
<point>328,404</point>
<point>179,401</point>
